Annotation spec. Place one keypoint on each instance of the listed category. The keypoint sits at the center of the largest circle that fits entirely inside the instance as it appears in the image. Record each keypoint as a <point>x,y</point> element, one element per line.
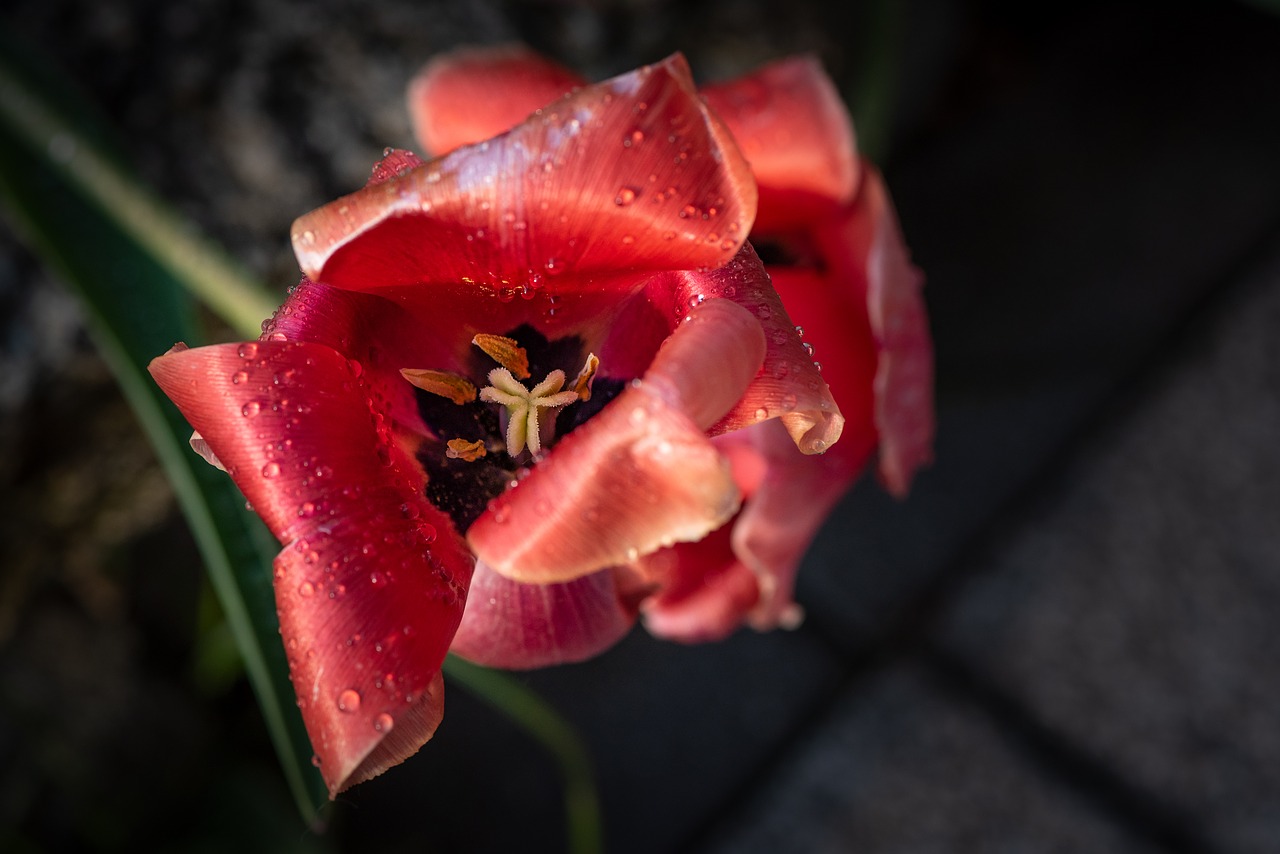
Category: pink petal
<point>641,474</point>
<point>705,590</point>
<point>470,94</point>
<point>867,253</point>
<point>520,626</point>
<point>295,429</point>
<point>780,518</point>
<point>788,386</point>
<point>630,176</point>
<point>795,132</point>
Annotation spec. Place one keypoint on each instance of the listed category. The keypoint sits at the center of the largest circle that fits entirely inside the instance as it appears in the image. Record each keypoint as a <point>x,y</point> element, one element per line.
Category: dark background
<point>1063,641</point>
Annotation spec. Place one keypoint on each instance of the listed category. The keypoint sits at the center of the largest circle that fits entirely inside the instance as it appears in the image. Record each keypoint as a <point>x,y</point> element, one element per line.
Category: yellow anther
<point>582,385</point>
<point>506,352</point>
<point>461,449</point>
<point>455,388</point>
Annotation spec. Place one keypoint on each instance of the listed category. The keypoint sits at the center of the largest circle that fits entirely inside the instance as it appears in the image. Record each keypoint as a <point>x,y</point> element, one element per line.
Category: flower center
<point>482,434</point>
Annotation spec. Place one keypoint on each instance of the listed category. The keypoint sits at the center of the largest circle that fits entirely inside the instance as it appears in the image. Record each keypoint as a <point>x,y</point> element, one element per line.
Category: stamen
<point>461,449</point>
<point>455,388</point>
<point>506,352</point>
<point>528,410</point>
<point>582,385</point>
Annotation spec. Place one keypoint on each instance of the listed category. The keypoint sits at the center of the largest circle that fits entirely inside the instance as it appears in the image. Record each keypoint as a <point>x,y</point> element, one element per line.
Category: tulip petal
<point>295,429</point>
<point>629,176</point>
<point>788,385</point>
<point>705,591</point>
<point>780,518</point>
<point>797,135</point>
<point>473,93</point>
<point>867,255</point>
<point>640,475</point>
<point>521,626</point>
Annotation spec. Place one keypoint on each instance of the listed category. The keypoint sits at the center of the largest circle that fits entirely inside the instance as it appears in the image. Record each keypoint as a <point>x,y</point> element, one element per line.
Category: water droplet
<point>270,470</point>
<point>306,509</point>
<point>627,240</point>
<point>554,266</point>
<point>306,589</point>
<point>788,402</point>
<point>239,377</point>
<point>349,701</point>
<point>315,760</point>
<point>688,211</point>
<point>248,350</point>
<point>625,196</point>
<point>383,722</point>
<point>636,136</point>
<point>808,348</point>
<point>762,413</point>
<point>409,511</point>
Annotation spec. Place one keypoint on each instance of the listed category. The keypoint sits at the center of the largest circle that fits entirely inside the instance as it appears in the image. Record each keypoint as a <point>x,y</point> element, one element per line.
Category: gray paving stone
<point>898,766</point>
<point>1136,611</point>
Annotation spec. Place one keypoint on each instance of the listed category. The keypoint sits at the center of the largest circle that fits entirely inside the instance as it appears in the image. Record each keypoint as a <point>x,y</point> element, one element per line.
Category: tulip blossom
<point>838,261</point>
<point>524,391</point>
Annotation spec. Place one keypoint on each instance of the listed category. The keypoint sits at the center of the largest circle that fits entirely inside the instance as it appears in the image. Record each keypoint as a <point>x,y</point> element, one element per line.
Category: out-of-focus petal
<point>795,132</point>
<point>867,253</point>
<point>520,626</point>
<point>367,560</point>
<point>629,176</point>
<point>704,590</point>
<point>473,93</point>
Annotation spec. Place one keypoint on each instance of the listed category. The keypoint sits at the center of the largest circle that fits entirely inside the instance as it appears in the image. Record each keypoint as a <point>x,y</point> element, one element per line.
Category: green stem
<point>205,271</point>
<point>528,710</point>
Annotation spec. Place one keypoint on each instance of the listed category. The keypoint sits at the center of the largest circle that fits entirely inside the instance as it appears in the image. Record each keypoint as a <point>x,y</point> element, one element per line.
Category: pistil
<point>529,410</point>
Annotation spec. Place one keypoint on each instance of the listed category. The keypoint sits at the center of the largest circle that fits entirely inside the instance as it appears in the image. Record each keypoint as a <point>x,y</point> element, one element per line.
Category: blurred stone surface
<point>898,766</point>
<point>1135,612</point>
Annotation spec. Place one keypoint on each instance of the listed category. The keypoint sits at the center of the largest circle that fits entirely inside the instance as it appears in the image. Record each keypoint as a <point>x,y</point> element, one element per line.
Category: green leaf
<point>122,253</point>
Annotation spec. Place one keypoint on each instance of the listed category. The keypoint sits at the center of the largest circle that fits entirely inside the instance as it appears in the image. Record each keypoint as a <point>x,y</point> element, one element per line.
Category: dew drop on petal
<point>349,701</point>
<point>270,470</point>
<point>383,722</point>
<point>625,196</point>
<point>306,588</point>
<point>762,413</point>
<point>239,377</point>
<point>250,409</point>
<point>554,266</point>
<point>248,350</point>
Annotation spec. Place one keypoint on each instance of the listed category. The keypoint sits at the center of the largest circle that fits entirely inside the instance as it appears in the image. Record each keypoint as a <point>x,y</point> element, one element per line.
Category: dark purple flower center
<point>463,488</point>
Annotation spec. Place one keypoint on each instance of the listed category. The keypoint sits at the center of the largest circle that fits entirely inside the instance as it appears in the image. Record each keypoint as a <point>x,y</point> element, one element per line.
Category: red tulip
<point>843,274</point>
<point>543,377</point>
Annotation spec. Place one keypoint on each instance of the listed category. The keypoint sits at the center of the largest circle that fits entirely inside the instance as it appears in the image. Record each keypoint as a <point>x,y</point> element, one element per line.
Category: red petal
<point>629,176</point>
<point>788,386</point>
<point>638,476</point>
<point>780,518</point>
<point>520,626</point>
<point>474,93</point>
<point>795,132</point>
<point>295,429</point>
<point>706,590</point>
<point>866,251</point>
